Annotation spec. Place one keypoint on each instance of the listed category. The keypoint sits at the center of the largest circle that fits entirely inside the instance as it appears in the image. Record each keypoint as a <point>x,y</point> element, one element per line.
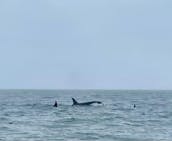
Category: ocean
<point>29,115</point>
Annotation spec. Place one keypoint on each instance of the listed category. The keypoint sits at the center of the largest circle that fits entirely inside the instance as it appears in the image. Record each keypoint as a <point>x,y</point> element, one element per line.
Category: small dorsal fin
<point>74,101</point>
<point>55,104</point>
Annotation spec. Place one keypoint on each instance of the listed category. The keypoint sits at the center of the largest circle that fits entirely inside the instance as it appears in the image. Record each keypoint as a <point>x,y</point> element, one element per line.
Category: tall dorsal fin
<point>74,101</point>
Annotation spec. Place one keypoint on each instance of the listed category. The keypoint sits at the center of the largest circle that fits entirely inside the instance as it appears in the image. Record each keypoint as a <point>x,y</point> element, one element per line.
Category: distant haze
<point>90,44</point>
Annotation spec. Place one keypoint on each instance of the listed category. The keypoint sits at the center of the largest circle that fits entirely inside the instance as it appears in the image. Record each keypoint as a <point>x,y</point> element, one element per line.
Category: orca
<point>85,103</point>
<point>55,104</point>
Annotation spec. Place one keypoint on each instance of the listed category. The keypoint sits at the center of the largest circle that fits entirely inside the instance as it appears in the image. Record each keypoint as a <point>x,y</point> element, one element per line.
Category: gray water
<point>28,115</point>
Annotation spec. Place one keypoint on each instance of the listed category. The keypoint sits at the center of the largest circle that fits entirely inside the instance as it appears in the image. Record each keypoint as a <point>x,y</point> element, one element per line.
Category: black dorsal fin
<point>74,101</point>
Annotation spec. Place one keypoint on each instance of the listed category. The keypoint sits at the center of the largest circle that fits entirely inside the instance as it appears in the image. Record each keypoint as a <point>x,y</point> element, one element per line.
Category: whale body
<point>85,103</point>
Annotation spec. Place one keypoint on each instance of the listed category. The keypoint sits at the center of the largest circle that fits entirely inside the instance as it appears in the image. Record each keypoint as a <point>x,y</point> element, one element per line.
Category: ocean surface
<point>29,115</point>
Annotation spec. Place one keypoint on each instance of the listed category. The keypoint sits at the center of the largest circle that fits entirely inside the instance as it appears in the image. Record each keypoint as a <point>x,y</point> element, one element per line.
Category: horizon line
<point>86,89</point>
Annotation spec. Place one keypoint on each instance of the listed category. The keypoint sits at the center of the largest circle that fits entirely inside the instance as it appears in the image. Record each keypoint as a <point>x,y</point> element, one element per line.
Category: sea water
<point>29,115</point>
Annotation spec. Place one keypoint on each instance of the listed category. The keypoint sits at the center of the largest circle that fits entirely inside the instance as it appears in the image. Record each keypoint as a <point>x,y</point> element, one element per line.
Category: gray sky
<point>106,44</point>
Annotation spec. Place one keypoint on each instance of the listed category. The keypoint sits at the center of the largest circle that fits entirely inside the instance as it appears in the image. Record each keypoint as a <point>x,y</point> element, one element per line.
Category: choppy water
<point>28,115</point>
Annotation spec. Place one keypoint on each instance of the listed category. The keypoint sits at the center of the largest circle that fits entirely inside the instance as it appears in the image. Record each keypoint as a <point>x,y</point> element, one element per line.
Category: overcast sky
<point>96,44</point>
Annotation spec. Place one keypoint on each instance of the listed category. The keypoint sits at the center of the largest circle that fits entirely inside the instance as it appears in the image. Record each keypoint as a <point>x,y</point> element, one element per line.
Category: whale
<point>55,104</point>
<point>84,103</point>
